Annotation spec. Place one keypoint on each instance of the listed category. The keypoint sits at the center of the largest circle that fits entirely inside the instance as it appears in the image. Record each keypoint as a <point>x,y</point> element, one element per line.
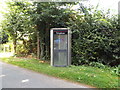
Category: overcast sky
<point>107,4</point>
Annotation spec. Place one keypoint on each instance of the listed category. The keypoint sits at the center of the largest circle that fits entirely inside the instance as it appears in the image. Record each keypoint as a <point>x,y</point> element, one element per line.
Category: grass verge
<point>96,77</point>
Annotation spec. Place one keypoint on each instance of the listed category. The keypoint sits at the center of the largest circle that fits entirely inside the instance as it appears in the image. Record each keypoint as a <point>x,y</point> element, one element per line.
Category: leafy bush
<point>97,64</point>
<point>95,37</point>
<point>21,50</point>
<point>26,48</point>
<point>113,70</point>
<point>116,70</point>
<point>1,48</point>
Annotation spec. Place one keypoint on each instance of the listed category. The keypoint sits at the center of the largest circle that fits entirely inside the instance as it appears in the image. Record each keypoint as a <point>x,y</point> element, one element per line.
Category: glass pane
<point>60,58</point>
<point>60,50</point>
<point>60,41</point>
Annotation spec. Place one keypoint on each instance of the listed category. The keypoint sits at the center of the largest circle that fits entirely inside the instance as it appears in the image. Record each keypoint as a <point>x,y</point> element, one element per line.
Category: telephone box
<point>60,47</point>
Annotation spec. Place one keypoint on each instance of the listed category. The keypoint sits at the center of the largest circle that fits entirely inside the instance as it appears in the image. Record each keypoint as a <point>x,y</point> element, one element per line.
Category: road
<point>16,77</point>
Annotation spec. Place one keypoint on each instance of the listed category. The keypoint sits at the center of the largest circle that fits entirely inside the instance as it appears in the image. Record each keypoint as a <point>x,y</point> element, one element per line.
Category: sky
<point>103,4</point>
<point>106,4</point>
<point>2,8</point>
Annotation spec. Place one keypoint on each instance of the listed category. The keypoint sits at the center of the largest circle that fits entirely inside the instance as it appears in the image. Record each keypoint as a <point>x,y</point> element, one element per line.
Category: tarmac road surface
<point>16,77</point>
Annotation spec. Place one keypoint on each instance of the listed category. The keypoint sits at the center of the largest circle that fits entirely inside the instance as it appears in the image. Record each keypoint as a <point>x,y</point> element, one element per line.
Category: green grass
<point>93,76</point>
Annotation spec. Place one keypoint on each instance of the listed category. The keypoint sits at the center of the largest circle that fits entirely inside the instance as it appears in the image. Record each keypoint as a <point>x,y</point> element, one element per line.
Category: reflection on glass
<point>60,42</point>
<point>60,49</point>
<point>60,58</point>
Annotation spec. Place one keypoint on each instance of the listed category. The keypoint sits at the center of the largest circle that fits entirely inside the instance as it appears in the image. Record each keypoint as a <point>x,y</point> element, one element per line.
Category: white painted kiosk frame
<point>60,47</point>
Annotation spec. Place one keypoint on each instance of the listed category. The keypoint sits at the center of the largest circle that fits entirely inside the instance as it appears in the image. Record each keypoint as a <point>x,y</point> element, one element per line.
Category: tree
<point>3,37</point>
<point>35,20</point>
<point>46,16</point>
<point>16,23</point>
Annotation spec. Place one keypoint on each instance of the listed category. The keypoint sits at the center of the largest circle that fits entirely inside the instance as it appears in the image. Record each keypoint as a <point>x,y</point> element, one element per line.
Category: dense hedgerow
<point>95,38</point>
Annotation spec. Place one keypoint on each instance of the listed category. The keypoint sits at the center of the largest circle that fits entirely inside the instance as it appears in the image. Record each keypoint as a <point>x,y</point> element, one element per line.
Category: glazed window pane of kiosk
<point>60,52</point>
<point>60,41</point>
<point>60,49</point>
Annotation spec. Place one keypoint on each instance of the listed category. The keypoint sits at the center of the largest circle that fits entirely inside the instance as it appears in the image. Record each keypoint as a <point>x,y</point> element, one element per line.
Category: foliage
<point>46,16</point>
<point>26,49</point>
<point>1,48</point>
<point>16,23</point>
<point>34,21</point>
<point>115,69</point>
<point>96,37</point>
<point>96,77</point>
<point>97,64</point>
<point>3,37</point>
